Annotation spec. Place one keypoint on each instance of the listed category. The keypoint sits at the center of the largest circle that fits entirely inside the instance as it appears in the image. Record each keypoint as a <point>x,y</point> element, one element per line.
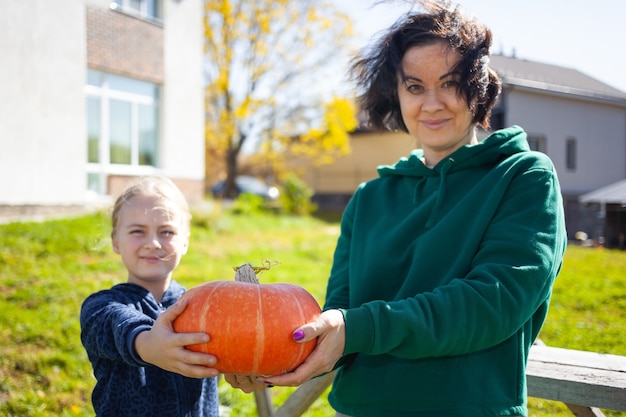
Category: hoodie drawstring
<point>441,193</point>
<point>418,189</point>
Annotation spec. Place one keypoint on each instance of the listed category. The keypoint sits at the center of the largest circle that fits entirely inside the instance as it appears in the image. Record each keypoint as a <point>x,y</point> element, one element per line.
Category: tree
<point>270,69</point>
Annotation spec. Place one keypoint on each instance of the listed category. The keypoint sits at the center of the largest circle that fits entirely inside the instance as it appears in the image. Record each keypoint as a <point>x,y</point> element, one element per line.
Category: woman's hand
<point>163,347</point>
<point>329,328</point>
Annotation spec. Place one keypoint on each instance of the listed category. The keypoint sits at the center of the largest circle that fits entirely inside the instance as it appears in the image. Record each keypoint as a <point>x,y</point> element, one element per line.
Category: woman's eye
<point>136,232</point>
<point>414,88</point>
<point>451,84</point>
<point>168,233</point>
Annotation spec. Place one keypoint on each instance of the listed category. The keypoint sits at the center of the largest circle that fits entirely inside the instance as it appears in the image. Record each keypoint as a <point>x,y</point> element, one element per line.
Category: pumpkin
<point>250,324</point>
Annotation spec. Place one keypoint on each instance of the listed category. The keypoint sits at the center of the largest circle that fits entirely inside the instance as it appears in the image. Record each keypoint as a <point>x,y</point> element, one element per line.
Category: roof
<point>554,78</point>
<point>612,194</point>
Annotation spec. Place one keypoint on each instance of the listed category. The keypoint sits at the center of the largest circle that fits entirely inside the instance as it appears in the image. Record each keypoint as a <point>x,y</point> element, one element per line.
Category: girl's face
<point>433,112</point>
<point>151,238</point>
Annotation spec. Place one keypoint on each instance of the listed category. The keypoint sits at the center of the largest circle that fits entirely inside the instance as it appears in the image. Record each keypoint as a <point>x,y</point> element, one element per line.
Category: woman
<point>443,271</point>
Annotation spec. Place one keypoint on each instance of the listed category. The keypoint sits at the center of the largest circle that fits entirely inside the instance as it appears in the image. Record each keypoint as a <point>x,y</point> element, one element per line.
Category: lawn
<point>47,269</point>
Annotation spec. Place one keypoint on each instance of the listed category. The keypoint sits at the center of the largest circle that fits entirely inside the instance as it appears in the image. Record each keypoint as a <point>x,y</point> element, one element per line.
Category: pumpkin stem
<point>248,273</point>
<point>245,273</point>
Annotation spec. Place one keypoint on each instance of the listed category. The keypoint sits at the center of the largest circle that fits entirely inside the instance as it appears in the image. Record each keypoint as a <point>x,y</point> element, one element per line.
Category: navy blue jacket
<point>127,386</point>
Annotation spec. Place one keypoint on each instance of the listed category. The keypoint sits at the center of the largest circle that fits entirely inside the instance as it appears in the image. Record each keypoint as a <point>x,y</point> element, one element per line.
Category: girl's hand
<point>329,328</point>
<point>246,383</point>
<point>163,347</point>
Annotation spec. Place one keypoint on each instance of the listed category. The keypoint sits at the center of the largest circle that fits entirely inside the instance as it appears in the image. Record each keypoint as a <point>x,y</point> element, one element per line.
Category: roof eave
<point>562,91</point>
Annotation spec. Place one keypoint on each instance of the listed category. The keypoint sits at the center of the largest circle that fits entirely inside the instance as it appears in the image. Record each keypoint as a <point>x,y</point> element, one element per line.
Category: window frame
<point>143,11</point>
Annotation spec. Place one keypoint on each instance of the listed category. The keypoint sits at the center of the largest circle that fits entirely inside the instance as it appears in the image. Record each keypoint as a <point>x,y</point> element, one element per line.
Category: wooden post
<point>298,402</point>
<point>304,396</point>
<point>264,403</point>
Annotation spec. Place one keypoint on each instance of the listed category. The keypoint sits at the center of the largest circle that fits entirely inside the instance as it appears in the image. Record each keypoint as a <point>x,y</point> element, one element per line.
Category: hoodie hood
<point>496,147</point>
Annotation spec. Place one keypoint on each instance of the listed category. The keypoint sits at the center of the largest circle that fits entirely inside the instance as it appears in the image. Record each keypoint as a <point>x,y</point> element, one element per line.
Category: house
<point>578,121</point>
<point>95,92</point>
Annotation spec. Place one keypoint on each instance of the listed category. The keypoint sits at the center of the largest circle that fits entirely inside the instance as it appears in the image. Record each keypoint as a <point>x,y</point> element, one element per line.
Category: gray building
<point>575,119</point>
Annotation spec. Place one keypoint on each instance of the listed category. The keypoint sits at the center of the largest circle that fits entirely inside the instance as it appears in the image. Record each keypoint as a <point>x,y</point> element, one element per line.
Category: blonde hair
<point>160,187</point>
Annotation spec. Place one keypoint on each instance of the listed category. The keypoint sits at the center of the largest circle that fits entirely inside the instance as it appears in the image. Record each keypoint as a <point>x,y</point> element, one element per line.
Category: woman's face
<point>432,110</point>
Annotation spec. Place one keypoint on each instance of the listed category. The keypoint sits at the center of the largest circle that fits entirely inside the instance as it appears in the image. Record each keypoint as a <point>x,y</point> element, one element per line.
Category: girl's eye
<point>136,232</point>
<point>168,233</point>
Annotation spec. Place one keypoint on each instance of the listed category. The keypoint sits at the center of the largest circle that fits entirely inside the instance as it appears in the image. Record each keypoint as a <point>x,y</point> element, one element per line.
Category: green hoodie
<point>444,277</point>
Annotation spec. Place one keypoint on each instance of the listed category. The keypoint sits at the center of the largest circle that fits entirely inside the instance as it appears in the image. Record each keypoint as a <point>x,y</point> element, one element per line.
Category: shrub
<point>296,197</point>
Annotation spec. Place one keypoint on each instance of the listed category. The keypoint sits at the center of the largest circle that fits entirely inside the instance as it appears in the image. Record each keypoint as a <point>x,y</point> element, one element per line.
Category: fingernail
<point>298,335</point>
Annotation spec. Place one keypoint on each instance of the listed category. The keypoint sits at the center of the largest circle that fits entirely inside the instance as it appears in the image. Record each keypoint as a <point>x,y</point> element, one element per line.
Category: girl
<point>141,366</point>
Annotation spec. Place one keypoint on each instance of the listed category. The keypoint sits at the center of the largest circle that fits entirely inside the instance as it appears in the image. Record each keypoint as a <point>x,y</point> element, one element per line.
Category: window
<point>120,130</point>
<point>537,143</point>
<point>497,119</point>
<point>93,129</point>
<point>145,9</point>
<point>570,154</point>
<point>122,127</point>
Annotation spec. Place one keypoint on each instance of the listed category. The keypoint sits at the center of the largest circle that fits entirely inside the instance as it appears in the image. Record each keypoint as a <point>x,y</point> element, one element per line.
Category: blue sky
<point>580,34</point>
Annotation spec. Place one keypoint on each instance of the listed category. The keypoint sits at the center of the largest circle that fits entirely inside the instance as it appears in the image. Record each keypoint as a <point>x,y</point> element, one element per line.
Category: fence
<point>584,381</point>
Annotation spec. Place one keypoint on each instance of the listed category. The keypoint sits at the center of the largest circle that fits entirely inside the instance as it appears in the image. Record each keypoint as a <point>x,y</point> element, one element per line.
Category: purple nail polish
<point>298,335</point>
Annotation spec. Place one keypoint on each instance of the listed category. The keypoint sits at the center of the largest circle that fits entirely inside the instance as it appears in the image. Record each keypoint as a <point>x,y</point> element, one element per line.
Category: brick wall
<point>121,44</point>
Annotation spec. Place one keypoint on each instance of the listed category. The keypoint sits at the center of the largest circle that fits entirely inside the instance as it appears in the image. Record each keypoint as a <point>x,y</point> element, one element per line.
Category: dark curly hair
<point>376,70</point>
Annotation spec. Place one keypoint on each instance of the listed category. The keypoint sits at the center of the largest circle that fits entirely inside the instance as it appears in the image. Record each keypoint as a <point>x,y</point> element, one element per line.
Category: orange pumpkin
<point>250,325</point>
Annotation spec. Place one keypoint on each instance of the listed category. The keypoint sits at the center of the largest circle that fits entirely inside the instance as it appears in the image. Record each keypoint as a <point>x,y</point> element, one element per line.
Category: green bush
<point>248,204</point>
<point>296,197</point>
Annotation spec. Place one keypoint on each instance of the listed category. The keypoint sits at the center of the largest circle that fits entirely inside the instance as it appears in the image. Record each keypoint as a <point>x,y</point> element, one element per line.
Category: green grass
<point>47,269</point>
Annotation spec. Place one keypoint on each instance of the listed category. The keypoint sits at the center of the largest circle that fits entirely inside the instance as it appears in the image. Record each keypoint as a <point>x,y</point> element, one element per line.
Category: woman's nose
<point>432,101</point>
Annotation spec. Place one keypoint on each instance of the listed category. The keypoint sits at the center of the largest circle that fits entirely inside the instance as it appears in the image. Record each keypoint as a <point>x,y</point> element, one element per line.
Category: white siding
<point>43,146</point>
<point>42,120</point>
<point>182,139</point>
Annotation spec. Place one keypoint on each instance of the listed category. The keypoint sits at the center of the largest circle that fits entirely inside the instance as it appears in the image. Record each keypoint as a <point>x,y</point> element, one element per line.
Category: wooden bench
<point>584,381</point>
<point>578,378</point>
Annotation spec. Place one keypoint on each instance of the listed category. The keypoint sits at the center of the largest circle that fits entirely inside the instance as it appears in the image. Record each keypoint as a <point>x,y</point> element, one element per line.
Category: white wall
<point>182,139</point>
<point>42,121</point>
<point>599,130</point>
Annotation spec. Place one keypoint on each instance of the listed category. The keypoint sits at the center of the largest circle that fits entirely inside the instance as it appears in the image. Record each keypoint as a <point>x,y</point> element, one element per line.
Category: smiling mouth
<point>153,259</point>
<point>434,124</point>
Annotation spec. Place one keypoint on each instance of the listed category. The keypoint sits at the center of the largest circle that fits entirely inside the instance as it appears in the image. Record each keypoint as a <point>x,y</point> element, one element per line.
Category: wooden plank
<point>577,358</point>
<point>582,411</point>
<point>576,377</point>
